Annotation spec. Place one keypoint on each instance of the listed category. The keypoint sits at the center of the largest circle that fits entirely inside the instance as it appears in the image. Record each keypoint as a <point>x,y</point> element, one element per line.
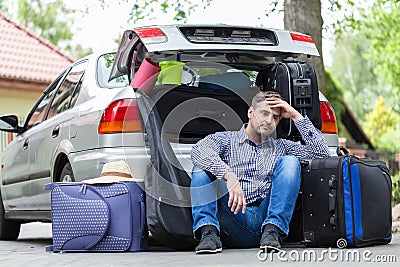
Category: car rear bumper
<point>88,164</point>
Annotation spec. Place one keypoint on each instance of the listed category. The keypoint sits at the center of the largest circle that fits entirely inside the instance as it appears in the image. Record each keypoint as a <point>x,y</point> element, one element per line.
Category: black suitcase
<point>297,83</point>
<point>346,202</point>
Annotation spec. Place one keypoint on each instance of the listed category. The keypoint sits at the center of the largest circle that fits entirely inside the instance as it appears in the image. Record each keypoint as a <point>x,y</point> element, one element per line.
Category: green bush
<point>396,189</point>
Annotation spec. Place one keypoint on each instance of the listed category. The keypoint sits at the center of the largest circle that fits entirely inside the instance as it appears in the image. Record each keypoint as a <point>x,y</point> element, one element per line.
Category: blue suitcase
<point>346,202</point>
<point>100,217</point>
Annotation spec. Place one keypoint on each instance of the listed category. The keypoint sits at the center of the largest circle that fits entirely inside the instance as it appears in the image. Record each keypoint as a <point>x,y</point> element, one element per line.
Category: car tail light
<point>151,35</point>
<point>328,118</point>
<point>302,39</point>
<point>121,116</point>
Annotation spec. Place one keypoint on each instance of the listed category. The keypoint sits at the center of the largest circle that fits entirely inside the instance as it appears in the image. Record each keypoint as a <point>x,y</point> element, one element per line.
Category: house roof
<point>27,57</point>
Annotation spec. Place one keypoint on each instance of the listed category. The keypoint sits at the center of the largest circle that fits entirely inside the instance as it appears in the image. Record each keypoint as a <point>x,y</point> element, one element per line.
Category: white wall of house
<point>17,101</point>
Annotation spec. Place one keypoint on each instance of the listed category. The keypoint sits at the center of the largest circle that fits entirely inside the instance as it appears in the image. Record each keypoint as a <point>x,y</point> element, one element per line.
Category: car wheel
<point>9,230</point>
<point>66,174</point>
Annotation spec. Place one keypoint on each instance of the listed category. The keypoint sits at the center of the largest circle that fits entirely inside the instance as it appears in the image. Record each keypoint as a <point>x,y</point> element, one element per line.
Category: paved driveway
<point>29,250</point>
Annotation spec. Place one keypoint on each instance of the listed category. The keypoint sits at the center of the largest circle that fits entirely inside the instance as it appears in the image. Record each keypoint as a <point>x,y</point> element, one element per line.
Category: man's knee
<point>202,187</point>
<point>200,177</point>
<point>288,168</point>
<point>290,162</point>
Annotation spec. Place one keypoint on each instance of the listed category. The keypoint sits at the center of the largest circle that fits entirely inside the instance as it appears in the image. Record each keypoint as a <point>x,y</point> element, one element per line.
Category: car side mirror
<point>9,123</point>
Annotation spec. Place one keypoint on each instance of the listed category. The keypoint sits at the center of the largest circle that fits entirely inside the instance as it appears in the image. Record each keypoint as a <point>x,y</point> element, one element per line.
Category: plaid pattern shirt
<point>254,164</point>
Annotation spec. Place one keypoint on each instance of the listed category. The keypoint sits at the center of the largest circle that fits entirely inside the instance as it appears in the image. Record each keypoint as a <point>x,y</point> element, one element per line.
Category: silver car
<point>89,115</point>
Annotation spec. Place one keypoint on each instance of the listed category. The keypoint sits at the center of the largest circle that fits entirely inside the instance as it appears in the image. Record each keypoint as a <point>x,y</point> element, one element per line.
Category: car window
<point>69,87</point>
<point>39,113</point>
<point>104,65</point>
<point>76,92</point>
<point>216,75</point>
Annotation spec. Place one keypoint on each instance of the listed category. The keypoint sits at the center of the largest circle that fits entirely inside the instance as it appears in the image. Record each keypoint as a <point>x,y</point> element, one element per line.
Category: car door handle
<point>55,131</point>
<point>25,145</point>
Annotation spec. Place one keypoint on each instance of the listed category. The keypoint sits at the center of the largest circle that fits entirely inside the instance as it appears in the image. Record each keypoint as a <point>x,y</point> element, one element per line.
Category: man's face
<point>263,119</point>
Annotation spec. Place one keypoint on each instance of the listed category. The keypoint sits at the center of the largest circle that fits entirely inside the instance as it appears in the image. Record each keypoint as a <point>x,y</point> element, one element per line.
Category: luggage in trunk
<point>297,83</point>
<point>196,112</point>
<point>346,202</point>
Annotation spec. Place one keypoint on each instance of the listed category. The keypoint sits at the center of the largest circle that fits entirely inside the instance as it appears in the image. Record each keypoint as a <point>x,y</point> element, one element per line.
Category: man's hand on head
<point>236,195</point>
<point>287,111</point>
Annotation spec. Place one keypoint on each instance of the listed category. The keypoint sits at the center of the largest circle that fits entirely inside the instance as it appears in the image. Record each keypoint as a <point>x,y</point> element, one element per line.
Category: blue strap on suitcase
<point>101,217</point>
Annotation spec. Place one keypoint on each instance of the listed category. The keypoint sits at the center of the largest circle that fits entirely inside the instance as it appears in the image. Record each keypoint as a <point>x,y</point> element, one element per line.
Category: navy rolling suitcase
<point>101,217</point>
<point>346,202</point>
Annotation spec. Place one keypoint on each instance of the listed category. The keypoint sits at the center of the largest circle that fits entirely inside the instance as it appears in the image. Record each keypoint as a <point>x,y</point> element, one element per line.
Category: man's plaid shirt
<point>254,164</point>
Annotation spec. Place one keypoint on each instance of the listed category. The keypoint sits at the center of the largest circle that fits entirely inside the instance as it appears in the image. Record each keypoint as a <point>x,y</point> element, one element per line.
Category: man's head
<point>262,118</point>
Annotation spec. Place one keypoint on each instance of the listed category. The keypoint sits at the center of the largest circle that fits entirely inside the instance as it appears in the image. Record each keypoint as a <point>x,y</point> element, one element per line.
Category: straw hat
<point>117,171</point>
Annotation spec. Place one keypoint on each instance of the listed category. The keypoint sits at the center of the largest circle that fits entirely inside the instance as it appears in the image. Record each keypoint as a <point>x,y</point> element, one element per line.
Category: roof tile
<point>25,56</point>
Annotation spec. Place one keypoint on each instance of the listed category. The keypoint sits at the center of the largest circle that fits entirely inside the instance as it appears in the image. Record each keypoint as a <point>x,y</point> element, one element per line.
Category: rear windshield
<point>104,65</point>
<point>209,75</point>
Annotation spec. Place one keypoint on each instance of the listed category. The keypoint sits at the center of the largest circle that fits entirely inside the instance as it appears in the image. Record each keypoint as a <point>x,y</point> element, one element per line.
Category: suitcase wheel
<point>341,243</point>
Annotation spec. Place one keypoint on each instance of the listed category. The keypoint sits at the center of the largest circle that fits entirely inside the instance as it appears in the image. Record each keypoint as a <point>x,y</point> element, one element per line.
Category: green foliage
<point>380,122</point>
<point>355,74</point>
<point>78,51</point>
<point>377,21</point>
<point>3,6</point>
<point>382,29</point>
<point>350,62</point>
<point>396,189</point>
<point>390,140</point>
<point>49,19</point>
<point>179,10</point>
<point>367,64</point>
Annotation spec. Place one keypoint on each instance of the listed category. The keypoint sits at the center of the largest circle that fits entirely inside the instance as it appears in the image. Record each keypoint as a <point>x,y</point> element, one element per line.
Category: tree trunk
<point>305,16</point>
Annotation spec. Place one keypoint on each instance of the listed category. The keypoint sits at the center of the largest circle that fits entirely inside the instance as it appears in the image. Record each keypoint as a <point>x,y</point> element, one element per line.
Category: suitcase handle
<point>332,201</point>
<point>94,243</point>
<point>342,151</point>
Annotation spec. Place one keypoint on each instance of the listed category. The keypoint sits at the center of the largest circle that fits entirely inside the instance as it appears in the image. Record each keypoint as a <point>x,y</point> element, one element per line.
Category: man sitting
<point>260,173</point>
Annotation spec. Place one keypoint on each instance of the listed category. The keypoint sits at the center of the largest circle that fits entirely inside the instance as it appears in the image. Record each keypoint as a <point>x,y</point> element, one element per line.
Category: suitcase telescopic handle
<point>332,201</point>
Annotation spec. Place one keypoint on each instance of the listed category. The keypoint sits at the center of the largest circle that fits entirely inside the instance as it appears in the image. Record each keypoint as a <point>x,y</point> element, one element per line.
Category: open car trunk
<point>190,113</point>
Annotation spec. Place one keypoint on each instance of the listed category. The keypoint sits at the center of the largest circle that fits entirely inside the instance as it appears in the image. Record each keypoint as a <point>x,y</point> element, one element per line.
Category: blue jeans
<point>210,205</point>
